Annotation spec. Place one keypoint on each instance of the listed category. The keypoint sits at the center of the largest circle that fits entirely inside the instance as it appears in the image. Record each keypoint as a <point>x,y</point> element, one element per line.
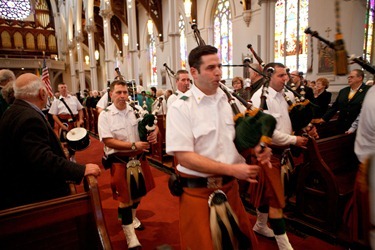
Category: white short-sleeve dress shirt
<point>202,124</point>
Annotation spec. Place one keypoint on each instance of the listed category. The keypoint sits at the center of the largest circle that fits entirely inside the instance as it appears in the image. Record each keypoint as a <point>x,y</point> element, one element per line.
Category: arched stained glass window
<point>183,46</point>
<point>152,57</point>
<point>291,19</point>
<point>369,28</point>
<point>223,36</point>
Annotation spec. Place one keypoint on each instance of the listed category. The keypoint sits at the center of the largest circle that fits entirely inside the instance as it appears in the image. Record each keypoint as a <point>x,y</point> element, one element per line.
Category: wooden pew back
<point>337,152</point>
<point>72,222</point>
<point>326,182</point>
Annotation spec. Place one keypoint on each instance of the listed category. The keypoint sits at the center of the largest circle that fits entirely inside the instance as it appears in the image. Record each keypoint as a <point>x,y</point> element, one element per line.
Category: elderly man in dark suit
<point>348,102</point>
<point>33,165</point>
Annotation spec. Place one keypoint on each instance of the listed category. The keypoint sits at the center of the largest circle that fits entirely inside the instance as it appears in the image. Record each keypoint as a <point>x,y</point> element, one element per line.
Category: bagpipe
<point>253,126</point>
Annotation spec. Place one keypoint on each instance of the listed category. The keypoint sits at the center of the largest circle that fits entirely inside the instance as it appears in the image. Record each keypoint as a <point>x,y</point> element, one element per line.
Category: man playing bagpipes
<point>268,194</point>
<point>67,114</point>
<point>200,133</point>
<point>124,147</point>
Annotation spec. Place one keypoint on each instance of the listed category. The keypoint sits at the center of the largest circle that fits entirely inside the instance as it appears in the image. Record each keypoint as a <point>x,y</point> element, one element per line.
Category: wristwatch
<point>133,146</point>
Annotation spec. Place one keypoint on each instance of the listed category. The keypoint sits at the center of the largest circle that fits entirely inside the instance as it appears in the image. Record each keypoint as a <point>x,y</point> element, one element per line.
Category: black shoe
<point>135,248</point>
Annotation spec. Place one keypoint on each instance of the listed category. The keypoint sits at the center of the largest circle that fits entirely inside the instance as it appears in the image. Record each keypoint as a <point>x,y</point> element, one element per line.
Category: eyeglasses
<point>350,77</point>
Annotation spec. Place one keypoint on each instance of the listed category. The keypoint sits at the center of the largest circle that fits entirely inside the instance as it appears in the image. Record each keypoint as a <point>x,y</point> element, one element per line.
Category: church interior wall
<point>321,18</point>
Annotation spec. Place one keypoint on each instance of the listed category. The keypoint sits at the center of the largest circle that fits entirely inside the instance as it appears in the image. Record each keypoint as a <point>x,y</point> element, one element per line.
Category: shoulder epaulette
<point>184,97</point>
<point>106,109</point>
<point>175,93</point>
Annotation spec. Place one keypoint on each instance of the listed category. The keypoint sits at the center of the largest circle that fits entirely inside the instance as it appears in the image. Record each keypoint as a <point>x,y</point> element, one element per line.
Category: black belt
<point>278,151</point>
<point>209,182</point>
<point>121,159</point>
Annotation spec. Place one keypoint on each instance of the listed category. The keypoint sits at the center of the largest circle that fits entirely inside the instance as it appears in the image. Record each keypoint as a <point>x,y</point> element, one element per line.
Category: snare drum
<point>78,139</point>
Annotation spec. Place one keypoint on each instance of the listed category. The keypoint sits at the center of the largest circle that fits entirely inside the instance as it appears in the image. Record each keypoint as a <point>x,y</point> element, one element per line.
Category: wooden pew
<point>158,149</point>
<point>327,129</point>
<point>72,222</point>
<point>325,182</point>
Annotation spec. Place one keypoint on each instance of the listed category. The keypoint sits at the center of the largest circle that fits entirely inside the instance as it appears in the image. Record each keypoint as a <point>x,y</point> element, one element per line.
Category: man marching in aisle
<point>67,114</point>
<point>272,200</point>
<point>131,177</point>
<point>200,133</point>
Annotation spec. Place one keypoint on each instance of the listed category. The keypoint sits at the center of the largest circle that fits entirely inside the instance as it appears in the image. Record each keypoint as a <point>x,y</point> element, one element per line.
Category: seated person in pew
<point>131,177</point>
<point>348,102</point>
<point>272,201</point>
<point>33,165</point>
<point>322,98</point>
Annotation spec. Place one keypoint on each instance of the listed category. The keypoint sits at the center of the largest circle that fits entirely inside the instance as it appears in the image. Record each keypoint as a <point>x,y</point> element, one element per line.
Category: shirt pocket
<point>119,132</point>
<point>203,128</point>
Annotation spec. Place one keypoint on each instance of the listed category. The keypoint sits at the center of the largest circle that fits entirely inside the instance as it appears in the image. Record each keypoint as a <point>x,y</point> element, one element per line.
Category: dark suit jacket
<point>321,102</point>
<point>33,164</point>
<point>348,110</point>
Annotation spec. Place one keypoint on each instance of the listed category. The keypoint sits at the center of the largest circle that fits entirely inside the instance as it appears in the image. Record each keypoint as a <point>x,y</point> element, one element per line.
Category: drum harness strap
<point>70,111</point>
<point>72,119</point>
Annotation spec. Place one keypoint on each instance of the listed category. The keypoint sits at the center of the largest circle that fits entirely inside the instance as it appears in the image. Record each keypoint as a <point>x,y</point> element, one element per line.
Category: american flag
<point>45,78</point>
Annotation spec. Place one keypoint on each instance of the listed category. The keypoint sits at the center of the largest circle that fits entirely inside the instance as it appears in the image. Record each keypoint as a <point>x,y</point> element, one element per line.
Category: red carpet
<point>158,212</point>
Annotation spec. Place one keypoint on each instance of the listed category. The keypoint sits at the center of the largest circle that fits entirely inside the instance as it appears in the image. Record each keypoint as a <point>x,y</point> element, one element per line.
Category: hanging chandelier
<point>15,9</point>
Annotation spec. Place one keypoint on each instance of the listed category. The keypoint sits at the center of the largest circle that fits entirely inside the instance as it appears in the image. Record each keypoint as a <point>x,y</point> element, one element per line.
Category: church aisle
<point>159,213</point>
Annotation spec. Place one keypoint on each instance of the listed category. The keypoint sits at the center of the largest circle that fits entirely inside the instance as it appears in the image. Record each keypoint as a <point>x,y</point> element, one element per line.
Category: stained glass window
<point>183,46</point>
<point>223,36</point>
<point>369,26</point>
<point>15,10</point>
<point>291,19</point>
<point>152,55</point>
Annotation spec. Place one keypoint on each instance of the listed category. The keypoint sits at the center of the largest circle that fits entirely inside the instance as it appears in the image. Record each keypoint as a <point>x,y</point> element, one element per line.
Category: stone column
<point>267,29</point>
<point>90,28</point>
<point>174,35</point>
<point>133,49</point>
<point>109,58</point>
<point>80,61</point>
<point>72,67</point>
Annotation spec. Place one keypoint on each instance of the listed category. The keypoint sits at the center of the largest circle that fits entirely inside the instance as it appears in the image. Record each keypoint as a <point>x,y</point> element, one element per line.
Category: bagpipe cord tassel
<point>141,183</point>
<point>134,193</point>
<point>225,231</point>
<point>221,232</point>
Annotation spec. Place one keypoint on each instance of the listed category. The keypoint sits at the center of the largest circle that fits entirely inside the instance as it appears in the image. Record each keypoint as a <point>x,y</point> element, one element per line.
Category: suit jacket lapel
<point>358,93</point>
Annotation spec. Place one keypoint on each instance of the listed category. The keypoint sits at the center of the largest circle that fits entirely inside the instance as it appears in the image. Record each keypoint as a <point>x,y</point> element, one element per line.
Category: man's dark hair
<point>272,65</point>
<point>181,71</point>
<point>195,56</point>
<point>117,82</point>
